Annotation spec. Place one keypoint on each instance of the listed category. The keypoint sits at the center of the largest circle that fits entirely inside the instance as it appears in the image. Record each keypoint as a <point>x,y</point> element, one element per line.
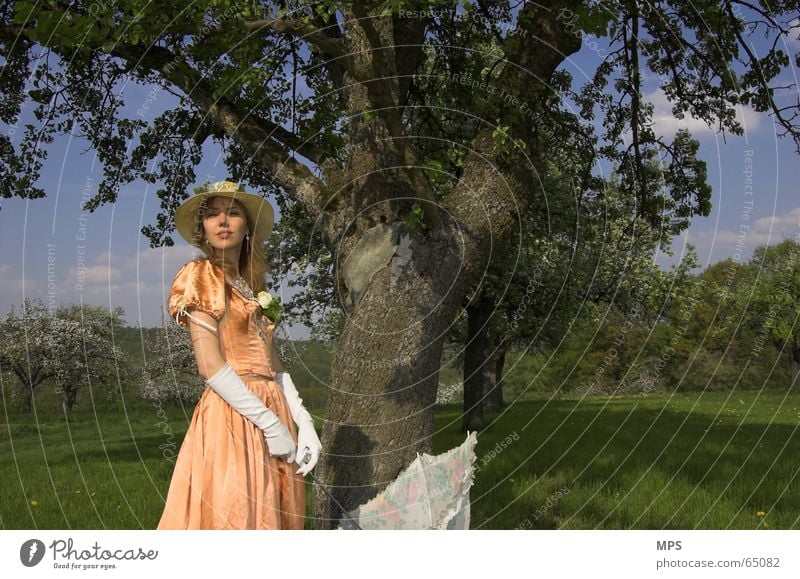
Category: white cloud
<point>16,288</point>
<point>666,124</point>
<point>138,274</point>
<point>95,274</point>
<point>165,260</point>
<point>763,231</point>
<point>793,37</point>
<point>127,291</point>
<point>13,286</point>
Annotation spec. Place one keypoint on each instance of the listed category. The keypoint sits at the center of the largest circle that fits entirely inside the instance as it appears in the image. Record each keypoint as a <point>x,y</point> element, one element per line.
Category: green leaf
<point>46,24</point>
<point>416,218</point>
<point>500,134</point>
<point>40,95</point>
<point>23,11</point>
<point>594,20</point>
<point>434,165</point>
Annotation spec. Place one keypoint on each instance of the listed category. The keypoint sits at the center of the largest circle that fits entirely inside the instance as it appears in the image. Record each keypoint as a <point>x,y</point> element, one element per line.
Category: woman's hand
<point>307,439</point>
<point>307,443</point>
<point>279,441</point>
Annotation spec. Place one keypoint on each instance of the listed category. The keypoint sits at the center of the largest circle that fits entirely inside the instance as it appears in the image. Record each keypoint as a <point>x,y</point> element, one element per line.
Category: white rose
<point>264,299</point>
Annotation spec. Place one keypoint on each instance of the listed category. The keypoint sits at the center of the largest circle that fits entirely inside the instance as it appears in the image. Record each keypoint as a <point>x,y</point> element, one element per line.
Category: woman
<point>237,466</point>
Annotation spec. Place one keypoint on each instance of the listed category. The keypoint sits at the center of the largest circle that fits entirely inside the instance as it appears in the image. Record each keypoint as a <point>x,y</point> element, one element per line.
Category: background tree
<point>102,320</point>
<point>770,300</point>
<point>81,358</point>
<point>30,365</point>
<point>597,263</point>
<point>170,373</point>
<point>38,345</point>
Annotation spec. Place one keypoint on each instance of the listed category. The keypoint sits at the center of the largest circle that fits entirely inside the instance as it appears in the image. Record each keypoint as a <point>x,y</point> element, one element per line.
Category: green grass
<point>691,461</point>
<point>708,461</point>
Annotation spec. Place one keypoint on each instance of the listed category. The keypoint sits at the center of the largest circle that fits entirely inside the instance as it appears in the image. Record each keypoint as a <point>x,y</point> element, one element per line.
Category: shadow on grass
<point>623,463</point>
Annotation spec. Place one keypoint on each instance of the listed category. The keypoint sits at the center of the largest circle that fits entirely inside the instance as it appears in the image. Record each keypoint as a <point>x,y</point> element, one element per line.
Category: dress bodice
<point>245,335</point>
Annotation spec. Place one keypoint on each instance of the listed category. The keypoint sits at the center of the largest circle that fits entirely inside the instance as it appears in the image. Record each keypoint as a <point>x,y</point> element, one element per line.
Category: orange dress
<point>224,477</point>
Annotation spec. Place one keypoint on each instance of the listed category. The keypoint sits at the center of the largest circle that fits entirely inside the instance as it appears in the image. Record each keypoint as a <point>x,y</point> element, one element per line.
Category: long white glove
<point>307,439</point>
<point>232,389</point>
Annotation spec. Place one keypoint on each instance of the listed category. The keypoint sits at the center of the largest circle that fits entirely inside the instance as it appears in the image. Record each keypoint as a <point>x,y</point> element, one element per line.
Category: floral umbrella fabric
<point>431,493</point>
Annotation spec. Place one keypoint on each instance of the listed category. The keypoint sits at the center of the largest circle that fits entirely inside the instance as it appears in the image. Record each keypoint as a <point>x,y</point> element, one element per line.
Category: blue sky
<point>51,246</point>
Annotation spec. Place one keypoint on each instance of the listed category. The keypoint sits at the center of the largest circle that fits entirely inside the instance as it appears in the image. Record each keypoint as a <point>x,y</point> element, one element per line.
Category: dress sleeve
<point>200,285</point>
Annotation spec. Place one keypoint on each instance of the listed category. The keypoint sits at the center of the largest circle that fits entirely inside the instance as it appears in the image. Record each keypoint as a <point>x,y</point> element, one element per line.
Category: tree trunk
<point>494,389</point>
<point>479,367</point>
<point>795,362</point>
<point>386,369</point>
<point>26,398</point>
<point>70,397</point>
<point>27,388</point>
<point>385,375</point>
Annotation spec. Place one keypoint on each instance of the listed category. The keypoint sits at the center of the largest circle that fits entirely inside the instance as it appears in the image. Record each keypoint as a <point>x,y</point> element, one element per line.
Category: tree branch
<point>632,55</point>
<point>327,37</point>
<point>506,176</point>
<point>308,32</point>
<point>790,128</point>
<point>378,71</point>
<point>257,136</point>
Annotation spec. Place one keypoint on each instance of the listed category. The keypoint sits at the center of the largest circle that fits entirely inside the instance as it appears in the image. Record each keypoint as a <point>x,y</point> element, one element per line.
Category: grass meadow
<point>687,461</point>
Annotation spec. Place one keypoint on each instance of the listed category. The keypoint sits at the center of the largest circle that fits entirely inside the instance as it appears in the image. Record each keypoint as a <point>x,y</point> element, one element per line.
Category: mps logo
<point>668,545</point>
<point>31,552</point>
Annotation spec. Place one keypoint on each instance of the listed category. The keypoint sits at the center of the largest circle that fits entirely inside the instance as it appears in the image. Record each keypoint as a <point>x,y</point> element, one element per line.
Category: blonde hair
<point>252,260</point>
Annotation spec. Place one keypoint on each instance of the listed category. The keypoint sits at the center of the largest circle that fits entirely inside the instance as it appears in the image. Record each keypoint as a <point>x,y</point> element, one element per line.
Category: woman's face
<point>225,224</point>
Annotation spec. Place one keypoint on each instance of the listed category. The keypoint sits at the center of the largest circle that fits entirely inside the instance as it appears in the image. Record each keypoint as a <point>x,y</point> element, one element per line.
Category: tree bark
<point>27,387</point>
<point>26,398</point>
<point>70,397</point>
<point>478,364</point>
<point>483,367</point>
<point>494,389</point>
<point>384,377</point>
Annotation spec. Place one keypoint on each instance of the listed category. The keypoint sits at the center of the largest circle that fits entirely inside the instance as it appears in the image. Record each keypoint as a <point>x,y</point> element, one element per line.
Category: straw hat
<point>260,214</point>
